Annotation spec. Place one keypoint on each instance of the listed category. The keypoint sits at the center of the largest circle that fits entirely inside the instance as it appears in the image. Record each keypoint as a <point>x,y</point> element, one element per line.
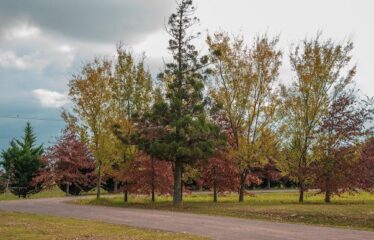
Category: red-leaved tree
<point>220,174</point>
<point>146,175</point>
<point>270,172</point>
<point>337,154</point>
<point>365,167</point>
<point>69,164</point>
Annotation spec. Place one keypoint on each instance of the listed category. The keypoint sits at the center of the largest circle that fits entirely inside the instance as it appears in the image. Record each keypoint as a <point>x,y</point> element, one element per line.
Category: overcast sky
<point>43,42</point>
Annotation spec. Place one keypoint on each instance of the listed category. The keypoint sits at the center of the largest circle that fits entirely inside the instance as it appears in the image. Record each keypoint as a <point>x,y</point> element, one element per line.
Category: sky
<point>43,43</point>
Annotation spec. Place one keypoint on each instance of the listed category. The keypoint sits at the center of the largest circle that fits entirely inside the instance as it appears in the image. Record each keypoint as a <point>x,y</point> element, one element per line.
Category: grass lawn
<point>352,211</point>
<point>22,226</point>
<point>53,192</point>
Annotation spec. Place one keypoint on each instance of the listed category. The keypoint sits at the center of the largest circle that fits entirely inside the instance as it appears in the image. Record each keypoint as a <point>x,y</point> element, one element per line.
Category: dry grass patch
<point>20,226</point>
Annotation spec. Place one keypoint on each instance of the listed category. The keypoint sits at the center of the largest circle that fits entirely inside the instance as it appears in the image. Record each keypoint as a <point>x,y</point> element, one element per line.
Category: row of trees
<point>70,165</point>
<point>312,129</point>
<point>221,119</point>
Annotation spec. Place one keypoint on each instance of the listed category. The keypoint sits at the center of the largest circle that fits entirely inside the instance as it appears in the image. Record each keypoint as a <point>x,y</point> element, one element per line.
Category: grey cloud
<point>95,20</point>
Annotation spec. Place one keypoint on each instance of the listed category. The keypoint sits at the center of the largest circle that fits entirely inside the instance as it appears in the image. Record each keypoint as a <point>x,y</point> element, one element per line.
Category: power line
<point>32,118</point>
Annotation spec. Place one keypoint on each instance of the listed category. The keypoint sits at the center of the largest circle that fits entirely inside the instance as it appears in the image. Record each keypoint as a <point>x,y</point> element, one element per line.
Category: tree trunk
<point>125,193</point>
<point>177,181</point>
<point>153,180</point>
<point>98,187</point>
<point>328,190</point>
<point>7,185</point>
<point>153,195</point>
<point>125,196</point>
<point>214,192</point>
<point>301,191</point>
<point>301,195</point>
<point>268,183</point>
<point>115,187</point>
<point>67,189</point>
<point>182,185</point>
<point>214,185</point>
<point>243,176</point>
<point>328,196</point>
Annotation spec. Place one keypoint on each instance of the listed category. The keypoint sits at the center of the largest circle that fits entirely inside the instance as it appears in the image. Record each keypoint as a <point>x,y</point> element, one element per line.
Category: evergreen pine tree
<point>21,161</point>
<point>186,135</point>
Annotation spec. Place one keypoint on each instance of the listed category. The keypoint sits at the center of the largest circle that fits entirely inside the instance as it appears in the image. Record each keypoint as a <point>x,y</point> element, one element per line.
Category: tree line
<point>221,119</point>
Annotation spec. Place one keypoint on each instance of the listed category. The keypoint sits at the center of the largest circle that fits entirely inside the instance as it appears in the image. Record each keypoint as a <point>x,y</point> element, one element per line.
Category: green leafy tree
<point>21,162</point>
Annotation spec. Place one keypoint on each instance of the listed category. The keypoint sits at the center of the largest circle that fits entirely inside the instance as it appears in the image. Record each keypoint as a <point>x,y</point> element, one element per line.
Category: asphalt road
<point>209,226</point>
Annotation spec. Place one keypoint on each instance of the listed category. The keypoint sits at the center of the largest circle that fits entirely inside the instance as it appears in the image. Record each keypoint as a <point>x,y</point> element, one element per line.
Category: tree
<point>270,172</point>
<point>111,181</point>
<point>319,68</point>
<point>3,182</point>
<point>149,176</point>
<point>244,91</point>
<point>89,92</point>
<point>69,164</point>
<point>185,133</point>
<point>220,173</point>
<point>21,162</point>
<point>336,153</point>
<point>131,88</point>
<point>131,92</point>
<point>365,167</point>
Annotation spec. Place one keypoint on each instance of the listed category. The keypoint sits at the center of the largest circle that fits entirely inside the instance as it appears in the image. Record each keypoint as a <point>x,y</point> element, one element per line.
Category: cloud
<point>36,60</point>
<point>21,31</point>
<point>110,20</point>
<point>10,59</point>
<point>50,99</point>
<point>25,46</point>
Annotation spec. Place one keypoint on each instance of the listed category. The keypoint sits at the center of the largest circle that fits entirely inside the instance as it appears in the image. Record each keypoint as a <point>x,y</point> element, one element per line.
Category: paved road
<point>214,227</point>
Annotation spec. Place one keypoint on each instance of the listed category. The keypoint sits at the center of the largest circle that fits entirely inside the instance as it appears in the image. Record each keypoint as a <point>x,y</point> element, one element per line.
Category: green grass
<point>37,227</point>
<point>351,211</point>
<point>49,193</point>
<point>54,192</point>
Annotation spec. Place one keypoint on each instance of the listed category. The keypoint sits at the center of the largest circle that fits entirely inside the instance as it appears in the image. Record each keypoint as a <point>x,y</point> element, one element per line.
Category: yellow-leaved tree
<point>131,91</point>
<point>322,69</point>
<point>90,95</point>
<point>243,89</point>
